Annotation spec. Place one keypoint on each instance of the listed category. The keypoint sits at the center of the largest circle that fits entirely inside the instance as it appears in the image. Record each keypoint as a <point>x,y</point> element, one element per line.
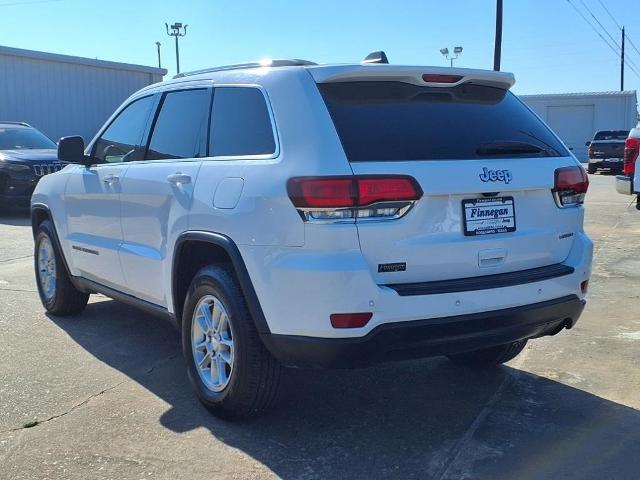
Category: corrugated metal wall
<point>576,117</point>
<point>62,98</point>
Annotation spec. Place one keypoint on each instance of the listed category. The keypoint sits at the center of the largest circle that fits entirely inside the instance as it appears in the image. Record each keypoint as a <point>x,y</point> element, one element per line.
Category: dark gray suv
<point>26,155</point>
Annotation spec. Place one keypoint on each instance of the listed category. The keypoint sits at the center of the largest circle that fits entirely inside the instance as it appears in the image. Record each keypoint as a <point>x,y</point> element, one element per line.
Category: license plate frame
<point>505,223</point>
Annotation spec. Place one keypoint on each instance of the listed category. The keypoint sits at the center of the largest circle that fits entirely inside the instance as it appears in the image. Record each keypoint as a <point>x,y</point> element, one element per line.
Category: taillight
<point>570,186</point>
<point>631,149</point>
<point>358,196</point>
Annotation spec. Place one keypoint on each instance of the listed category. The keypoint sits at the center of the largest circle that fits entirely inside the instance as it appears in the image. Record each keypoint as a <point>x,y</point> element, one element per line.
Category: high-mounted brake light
<point>439,78</point>
<point>355,196</point>
<point>631,150</point>
<point>570,186</point>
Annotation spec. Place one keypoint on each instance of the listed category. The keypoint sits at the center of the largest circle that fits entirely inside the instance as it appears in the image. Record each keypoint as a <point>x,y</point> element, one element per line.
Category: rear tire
<point>57,294</point>
<point>591,169</point>
<point>232,372</point>
<point>489,356</point>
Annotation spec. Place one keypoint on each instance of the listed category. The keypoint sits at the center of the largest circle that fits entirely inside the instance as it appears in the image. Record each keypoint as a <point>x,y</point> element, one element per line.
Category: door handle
<point>111,179</point>
<point>179,178</point>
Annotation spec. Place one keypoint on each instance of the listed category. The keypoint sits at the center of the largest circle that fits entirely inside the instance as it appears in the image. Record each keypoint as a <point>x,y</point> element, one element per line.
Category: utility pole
<point>497,52</point>
<point>177,30</point>
<point>622,63</point>
<point>159,62</point>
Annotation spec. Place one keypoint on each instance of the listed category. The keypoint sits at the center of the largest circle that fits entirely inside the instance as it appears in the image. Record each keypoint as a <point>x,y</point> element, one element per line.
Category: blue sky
<point>546,43</point>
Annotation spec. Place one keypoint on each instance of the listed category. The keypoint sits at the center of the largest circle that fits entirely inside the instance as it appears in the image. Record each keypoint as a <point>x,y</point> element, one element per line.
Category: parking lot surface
<point>105,394</point>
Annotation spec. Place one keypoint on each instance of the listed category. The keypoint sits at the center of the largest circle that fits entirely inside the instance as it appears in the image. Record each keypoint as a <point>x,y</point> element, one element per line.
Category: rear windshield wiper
<point>511,148</point>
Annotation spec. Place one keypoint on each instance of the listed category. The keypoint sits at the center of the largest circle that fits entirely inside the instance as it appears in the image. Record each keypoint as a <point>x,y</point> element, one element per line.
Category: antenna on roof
<point>376,57</point>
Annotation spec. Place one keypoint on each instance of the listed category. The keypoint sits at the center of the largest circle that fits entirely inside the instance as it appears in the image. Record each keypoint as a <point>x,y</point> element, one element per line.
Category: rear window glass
<point>612,135</point>
<point>240,124</point>
<point>387,121</point>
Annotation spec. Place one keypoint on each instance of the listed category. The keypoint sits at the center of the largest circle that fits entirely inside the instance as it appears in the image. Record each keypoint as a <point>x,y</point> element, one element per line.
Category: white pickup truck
<point>629,182</point>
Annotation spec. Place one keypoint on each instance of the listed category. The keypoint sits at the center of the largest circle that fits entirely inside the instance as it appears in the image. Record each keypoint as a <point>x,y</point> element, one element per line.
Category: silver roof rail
<point>11,122</point>
<point>295,62</point>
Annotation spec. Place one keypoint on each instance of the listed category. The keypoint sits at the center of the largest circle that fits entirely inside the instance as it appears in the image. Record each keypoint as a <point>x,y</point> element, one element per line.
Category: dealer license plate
<point>485,216</point>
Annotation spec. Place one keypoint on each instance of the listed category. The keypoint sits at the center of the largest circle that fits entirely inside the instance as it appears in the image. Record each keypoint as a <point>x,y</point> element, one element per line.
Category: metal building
<point>65,95</point>
<point>575,117</point>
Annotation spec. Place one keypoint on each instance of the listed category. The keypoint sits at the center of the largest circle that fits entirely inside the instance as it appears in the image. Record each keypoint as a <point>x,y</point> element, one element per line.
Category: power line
<point>614,48</point>
<point>592,26</point>
<point>598,22</point>
<point>633,44</point>
<point>613,19</point>
<point>610,15</point>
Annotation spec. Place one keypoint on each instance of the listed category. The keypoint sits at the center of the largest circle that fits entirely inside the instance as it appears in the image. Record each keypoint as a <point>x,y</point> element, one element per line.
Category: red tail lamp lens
<point>350,320</point>
<point>371,190</point>
<point>631,150</point>
<point>351,191</point>
<point>322,192</point>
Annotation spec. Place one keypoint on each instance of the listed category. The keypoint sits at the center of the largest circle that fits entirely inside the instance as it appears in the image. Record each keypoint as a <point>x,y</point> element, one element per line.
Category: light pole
<point>456,53</point>
<point>177,30</point>
<point>159,62</point>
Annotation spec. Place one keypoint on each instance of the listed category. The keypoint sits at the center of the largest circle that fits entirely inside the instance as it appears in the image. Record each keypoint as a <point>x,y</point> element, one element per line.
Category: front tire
<point>57,294</point>
<point>489,356</point>
<point>232,372</point>
<point>591,168</point>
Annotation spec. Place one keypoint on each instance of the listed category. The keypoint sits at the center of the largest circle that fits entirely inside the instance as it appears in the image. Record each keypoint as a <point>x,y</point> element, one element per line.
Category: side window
<point>180,130</point>
<point>240,124</point>
<point>120,140</point>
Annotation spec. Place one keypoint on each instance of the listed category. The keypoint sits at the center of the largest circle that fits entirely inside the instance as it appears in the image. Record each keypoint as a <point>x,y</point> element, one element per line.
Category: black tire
<point>489,356</point>
<point>253,381</point>
<point>591,168</point>
<point>66,299</point>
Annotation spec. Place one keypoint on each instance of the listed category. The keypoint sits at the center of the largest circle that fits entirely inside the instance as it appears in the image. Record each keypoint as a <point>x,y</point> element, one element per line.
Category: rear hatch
<point>484,162</point>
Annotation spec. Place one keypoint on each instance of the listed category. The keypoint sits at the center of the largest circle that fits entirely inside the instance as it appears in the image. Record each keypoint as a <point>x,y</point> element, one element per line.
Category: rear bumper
<point>624,184</point>
<point>602,163</point>
<point>424,338</point>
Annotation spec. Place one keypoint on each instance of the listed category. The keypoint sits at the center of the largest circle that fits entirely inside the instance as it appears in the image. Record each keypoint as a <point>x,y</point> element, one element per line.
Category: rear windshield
<point>612,135</point>
<point>387,121</point>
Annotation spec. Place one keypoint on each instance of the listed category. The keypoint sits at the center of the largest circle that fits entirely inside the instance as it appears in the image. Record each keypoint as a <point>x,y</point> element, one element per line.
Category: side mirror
<point>586,144</point>
<point>71,150</point>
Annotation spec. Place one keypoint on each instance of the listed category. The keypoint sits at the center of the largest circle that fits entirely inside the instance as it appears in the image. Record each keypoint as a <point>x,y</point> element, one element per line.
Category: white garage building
<point>64,95</point>
<point>576,116</point>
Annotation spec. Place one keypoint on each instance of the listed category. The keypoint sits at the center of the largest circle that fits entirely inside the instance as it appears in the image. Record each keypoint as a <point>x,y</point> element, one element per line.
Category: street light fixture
<point>456,53</point>
<point>177,30</point>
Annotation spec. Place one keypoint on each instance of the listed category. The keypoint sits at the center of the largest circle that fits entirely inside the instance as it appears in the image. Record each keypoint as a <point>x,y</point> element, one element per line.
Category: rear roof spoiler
<point>409,74</point>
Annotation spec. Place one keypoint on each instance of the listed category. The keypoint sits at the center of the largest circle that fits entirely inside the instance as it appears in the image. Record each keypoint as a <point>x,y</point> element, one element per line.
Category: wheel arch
<point>219,249</point>
<point>39,213</point>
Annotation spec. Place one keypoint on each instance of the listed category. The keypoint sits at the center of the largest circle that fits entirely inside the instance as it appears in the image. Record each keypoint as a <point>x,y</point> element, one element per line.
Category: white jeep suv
<point>306,215</point>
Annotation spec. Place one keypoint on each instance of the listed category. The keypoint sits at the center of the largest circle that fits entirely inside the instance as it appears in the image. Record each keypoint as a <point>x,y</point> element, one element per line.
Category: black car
<point>606,150</point>
<point>26,154</point>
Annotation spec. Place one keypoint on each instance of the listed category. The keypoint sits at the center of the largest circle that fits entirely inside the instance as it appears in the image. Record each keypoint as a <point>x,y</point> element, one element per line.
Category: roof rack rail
<point>11,122</point>
<point>294,62</point>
